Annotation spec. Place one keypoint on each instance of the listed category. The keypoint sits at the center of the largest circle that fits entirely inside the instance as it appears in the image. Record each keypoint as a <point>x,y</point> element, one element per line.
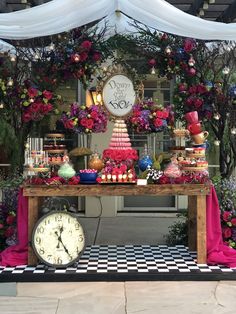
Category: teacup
<point>195,128</point>
<point>200,137</point>
<point>191,117</point>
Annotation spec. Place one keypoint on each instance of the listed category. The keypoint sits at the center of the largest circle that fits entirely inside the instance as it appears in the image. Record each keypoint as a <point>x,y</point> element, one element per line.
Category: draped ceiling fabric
<point>62,15</point>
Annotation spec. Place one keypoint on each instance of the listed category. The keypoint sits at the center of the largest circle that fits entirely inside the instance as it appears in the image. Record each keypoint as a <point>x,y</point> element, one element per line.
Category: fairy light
<point>10,82</point>
<point>216,142</point>
<point>153,71</point>
<point>233,131</point>
<point>225,71</point>
<point>13,58</point>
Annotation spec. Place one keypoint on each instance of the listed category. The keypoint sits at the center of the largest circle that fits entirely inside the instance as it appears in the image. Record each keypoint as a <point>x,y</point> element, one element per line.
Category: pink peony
<point>189,44</point>
<point>89,123</point>
<point>233,221</point>
<point>158,122</point>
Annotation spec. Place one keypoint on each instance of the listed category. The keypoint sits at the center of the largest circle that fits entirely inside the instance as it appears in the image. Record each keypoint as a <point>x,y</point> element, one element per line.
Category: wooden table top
<point>115,189</point>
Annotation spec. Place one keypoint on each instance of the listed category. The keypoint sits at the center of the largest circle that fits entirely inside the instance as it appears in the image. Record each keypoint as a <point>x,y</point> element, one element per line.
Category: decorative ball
<point>145,162</point>
<point>96,163</point>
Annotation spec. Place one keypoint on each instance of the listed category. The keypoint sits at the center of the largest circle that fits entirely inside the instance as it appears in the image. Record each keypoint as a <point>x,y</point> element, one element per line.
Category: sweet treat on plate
<point>181,132</point>
<point>195,152</point>
<point>172,170</point>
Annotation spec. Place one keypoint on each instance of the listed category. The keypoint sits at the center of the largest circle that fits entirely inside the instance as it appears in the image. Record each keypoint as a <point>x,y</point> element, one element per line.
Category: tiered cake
<point>119,157</point>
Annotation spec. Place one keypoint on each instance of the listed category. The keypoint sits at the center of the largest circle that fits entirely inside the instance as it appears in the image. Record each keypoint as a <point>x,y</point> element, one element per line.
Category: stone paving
<point>153,297</point>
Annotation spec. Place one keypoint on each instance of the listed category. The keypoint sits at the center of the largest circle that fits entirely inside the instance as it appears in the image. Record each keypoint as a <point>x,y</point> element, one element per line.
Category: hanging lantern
<point>191,62</point>
<point>225,71</point>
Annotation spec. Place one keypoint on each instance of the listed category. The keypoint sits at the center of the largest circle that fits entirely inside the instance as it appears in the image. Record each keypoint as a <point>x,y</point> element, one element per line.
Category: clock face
<point>118,95</point>
<point>58,239</point>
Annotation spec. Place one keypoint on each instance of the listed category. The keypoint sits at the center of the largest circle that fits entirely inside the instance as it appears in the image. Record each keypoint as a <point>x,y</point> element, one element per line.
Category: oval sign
<point>118,95</point>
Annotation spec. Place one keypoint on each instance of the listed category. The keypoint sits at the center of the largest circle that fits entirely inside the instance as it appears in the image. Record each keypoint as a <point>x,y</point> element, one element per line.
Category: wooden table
<point>196,209</point>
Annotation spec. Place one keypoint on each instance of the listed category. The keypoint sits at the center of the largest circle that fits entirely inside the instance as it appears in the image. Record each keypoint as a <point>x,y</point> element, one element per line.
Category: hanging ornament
<point>191,61</point>
<point>13,58</point>
<point>216,116</point>
<point>208,85</point>
<point>153,70</point>
<point>216,142</point>
<point>225,71</point>
<point>168,50</point>
<point>233,131</point>
<point>232,90</point>
<point>152,62</point>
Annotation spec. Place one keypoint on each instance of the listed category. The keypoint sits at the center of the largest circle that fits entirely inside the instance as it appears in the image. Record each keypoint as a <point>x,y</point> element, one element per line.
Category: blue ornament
<point>145,162</point>
<point>208,85</point>
<point>232,91</point>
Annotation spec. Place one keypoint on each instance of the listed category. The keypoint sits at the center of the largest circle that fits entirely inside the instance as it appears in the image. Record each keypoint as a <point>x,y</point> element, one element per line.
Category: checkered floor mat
<point>117,260</point>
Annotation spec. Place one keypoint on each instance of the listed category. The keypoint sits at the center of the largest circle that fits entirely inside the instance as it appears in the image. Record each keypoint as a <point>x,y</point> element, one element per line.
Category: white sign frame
<point>119,95</point>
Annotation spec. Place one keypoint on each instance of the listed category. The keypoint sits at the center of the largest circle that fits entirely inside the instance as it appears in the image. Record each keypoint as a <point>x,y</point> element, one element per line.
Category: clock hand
<point>60,240</point>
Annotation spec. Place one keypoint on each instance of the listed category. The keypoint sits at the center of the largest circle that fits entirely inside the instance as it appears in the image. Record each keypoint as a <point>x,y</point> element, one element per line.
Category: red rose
<point>192,90</point>
<point>119,156</point>
<point>159,114</point>
<point>227,232</point>
<point>189,101</point>
<point>68,124</point>
<point>83,122</point>
<point>89,124</point>
<point>86,44</point>
<point>9,232</point>
<point>26,117</point>
<point>182,87</point>
<point>35,107</point>
<point>96,56</point>
<point>10,219</point>
<point>94,115</point>
<point>233,221</point>
<point>198,102</point>
<point>32,92</point>
<point>226,216</point>
<point>164,180</point>
<point>83,56</point>
<point>79,73</point>
<point>201,89</point>
<point>152,62</point>
<point>47,94</point>
<point>189,44</point>
<point>158,122</point>
<point>165,114</point>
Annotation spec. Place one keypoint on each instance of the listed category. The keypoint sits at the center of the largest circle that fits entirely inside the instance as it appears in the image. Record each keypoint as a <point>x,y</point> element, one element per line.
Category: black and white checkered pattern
<point>130,260</point>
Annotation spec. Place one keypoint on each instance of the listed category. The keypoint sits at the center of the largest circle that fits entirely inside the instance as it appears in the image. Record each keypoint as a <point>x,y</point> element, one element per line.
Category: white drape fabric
<point>58,16</point>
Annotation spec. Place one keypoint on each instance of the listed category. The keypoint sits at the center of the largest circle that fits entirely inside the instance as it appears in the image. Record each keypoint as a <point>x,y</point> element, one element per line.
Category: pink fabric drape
<point>17,254</point>
<point>217,251</point>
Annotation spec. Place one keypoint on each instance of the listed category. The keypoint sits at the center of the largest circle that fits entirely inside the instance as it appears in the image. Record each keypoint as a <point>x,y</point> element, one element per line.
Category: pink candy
<point>88,171</point>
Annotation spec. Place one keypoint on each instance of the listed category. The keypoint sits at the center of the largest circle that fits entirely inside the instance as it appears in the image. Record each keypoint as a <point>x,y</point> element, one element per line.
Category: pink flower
<point>32,92</point>
<point>87,44</point>
<point>189,101</point>
<point>233,221</point>
<point>152,62</point>
<point>47,94</point>
<point>96,56</point>
<point>158,122</point>
<point>9,232</point>
<point>227,232</point>
<point>35,107</point>
<point>192,89</point>
<point>94,115</point>
<point>68,124</point>
<point>10,219</point>
<point>83,56</point>
<point>198,102</point>
<point>26,117</point>
<point>201,89</point>
<point>83,122</point>
<point>226,216</point>
<point>89,123</point>
<point>192,71</point>
<point>1,226</point>
<point>182,87</point>
<point>189,44</point>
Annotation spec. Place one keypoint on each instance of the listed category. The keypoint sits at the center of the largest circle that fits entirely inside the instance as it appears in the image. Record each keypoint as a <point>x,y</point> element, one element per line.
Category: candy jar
<point>146,160</point>
<point>172,171</point>
<point>95,162</point>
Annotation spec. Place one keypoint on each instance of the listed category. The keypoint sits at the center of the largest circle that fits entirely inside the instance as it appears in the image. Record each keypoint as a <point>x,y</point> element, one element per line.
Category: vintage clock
<point>58,239</point>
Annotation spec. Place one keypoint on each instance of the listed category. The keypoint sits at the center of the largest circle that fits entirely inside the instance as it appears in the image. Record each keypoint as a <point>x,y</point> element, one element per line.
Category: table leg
<point>201,229</point>
<point>33,211</point>
<point>192,222</point>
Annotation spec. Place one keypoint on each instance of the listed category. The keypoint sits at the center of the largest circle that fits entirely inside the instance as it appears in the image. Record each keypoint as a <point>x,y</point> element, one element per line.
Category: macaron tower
<point>119,158</point>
